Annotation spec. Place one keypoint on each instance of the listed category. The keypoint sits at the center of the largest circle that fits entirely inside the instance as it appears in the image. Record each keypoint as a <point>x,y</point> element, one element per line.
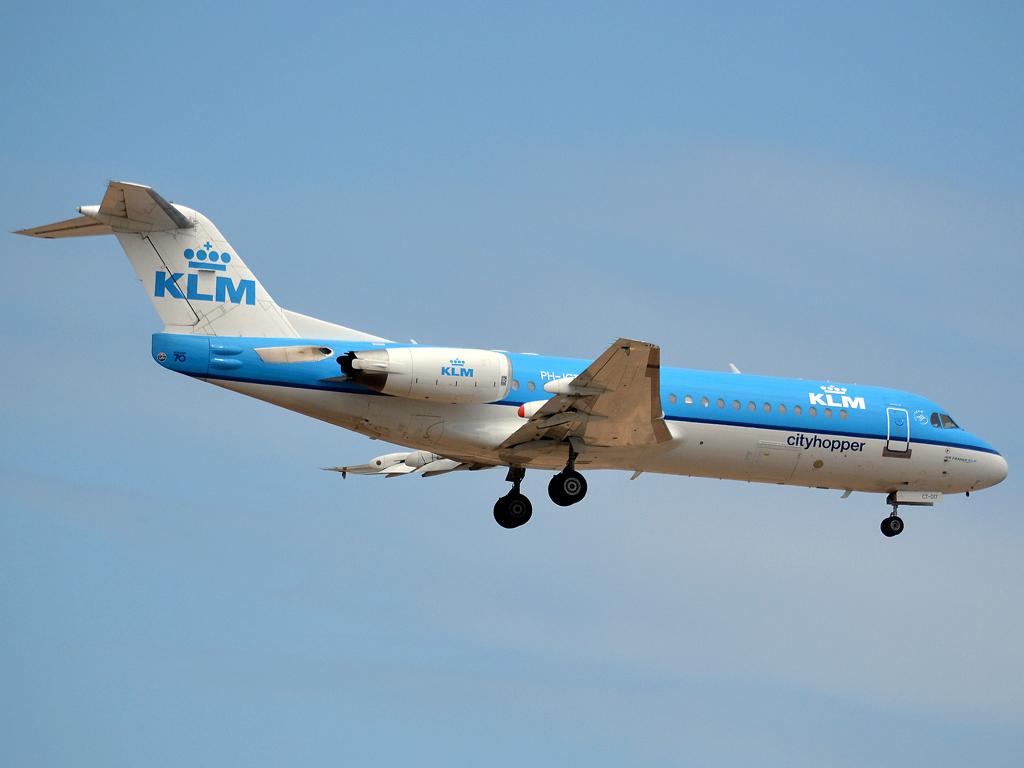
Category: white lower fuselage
<point>470,433</point>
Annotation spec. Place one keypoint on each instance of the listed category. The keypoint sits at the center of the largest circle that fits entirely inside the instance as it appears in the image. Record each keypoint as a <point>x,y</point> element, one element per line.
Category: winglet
<point>733,368</point>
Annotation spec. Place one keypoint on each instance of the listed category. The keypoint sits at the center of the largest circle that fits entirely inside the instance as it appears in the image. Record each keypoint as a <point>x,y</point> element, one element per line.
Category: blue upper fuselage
<point>787,405</point>
<point>742,400</point>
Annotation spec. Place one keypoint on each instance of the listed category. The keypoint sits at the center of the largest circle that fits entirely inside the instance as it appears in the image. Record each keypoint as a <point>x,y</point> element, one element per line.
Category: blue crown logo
<point>834,390</point>
<point>456,361</point>
<point>206,258</point>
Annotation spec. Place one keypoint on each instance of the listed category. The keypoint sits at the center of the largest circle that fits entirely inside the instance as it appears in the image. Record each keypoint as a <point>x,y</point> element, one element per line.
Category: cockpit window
<point>935,421</point>
<point>947,423</point>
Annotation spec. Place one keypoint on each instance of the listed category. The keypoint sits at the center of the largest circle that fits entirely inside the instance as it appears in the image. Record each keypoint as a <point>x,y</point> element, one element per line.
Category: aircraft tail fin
<point>195,279</point>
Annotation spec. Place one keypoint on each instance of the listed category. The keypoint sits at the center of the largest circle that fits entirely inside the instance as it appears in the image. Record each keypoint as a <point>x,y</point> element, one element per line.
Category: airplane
<point>470,409</point>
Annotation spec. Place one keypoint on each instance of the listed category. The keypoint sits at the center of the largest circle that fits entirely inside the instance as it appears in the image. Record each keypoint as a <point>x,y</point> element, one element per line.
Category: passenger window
<point>797,410</point>
<point>812,411</point>
<point>704,401</point>
<point>948,423</point>
<point>531,386</point>
<point>515,384</point>
<point>721,403</point>
<point>736,404</point>
<point>752,406</point>
<point>767,408</point>
<point>935,421</point>
<point>672,399</point>
<point>843,414</point>
<point>782,408</point>
<point>828,413</point>
<point>689,400</point>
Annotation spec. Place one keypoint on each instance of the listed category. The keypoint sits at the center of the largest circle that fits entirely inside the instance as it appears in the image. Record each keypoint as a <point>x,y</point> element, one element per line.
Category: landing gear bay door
<point>615,402</point>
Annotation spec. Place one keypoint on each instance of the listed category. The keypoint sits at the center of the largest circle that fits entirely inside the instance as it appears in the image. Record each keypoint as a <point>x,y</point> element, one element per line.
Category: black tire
<point>892,526</point>
<point>555,491</point>
<point>519,509</point>
<point>567,488</point>
<point>512,510</point>
<point>501,515</point>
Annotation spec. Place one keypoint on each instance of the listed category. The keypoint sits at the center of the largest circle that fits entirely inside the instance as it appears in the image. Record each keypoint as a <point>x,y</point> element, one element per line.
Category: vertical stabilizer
<point>195,279</point>
<point>199,284</point>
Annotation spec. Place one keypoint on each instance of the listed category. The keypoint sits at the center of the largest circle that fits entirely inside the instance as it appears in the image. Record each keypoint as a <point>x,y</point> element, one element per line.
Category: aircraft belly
<point>757,455</point>
<point>342,409</point>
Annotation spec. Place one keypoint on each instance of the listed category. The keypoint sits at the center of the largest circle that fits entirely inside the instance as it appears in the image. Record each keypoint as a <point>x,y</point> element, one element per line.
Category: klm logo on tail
<point>196,259</point>
<point>206,260</point>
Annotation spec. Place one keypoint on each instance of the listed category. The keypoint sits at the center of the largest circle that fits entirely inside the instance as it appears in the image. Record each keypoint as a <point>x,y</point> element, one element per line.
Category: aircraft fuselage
<point>721,425</point>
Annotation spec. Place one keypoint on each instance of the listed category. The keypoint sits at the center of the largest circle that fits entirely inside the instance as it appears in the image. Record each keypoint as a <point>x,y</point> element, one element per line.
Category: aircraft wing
<point>398,464</point>
<point>616,401</point>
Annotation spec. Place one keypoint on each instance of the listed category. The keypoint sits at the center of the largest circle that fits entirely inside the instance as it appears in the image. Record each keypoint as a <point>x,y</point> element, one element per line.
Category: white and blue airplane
<point>470,409</point>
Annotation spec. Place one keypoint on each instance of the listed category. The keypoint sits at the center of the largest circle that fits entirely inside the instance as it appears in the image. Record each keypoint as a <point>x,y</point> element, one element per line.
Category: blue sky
<point>828,193</point>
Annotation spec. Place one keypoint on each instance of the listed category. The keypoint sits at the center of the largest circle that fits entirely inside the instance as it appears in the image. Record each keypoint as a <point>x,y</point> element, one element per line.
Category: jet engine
<point>431,373</point>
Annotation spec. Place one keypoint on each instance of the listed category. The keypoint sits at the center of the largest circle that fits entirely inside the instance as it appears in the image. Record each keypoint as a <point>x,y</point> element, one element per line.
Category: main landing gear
<point>513,509</point>
<point>565,489</point>
<point>893,524</point>
<point>568,487</point>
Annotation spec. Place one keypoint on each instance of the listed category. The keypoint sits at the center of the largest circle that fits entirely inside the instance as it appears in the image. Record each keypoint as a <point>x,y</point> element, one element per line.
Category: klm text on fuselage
<point>846,401</point>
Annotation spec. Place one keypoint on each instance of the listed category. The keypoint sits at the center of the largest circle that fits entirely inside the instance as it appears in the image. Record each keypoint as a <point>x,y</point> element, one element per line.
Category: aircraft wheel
<point>512,510</point>
<point>501,516</point>
<point>567,488</point>
<point>892,526</point>
<point>520,510</point>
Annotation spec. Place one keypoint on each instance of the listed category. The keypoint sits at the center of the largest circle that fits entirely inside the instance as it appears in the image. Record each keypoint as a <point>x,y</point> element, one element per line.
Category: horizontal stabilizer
<point>136,208</point>
<point>141,205</point>
<point>125,208</point>
<point>83,226</point>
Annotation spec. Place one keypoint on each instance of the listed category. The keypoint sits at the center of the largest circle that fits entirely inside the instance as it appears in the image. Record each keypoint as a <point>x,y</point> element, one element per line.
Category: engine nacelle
<point>432,373</point>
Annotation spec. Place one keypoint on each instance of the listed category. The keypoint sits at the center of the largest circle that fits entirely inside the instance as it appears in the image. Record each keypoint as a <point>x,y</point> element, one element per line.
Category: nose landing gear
<point>893,524</point>
<point>513,509</point>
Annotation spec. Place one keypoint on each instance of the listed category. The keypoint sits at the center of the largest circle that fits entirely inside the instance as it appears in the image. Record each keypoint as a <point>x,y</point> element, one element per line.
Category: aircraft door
<point>773,462</point>
<point>899,430</point>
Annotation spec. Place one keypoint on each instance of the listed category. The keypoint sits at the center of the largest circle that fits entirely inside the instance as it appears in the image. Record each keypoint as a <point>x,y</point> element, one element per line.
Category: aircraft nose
<point>994,470</point>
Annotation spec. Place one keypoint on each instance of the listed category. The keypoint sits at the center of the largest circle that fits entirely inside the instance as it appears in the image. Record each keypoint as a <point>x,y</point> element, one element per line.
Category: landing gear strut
<point>893,524</point>
<point>513,509</point>
<point>568,486</point>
